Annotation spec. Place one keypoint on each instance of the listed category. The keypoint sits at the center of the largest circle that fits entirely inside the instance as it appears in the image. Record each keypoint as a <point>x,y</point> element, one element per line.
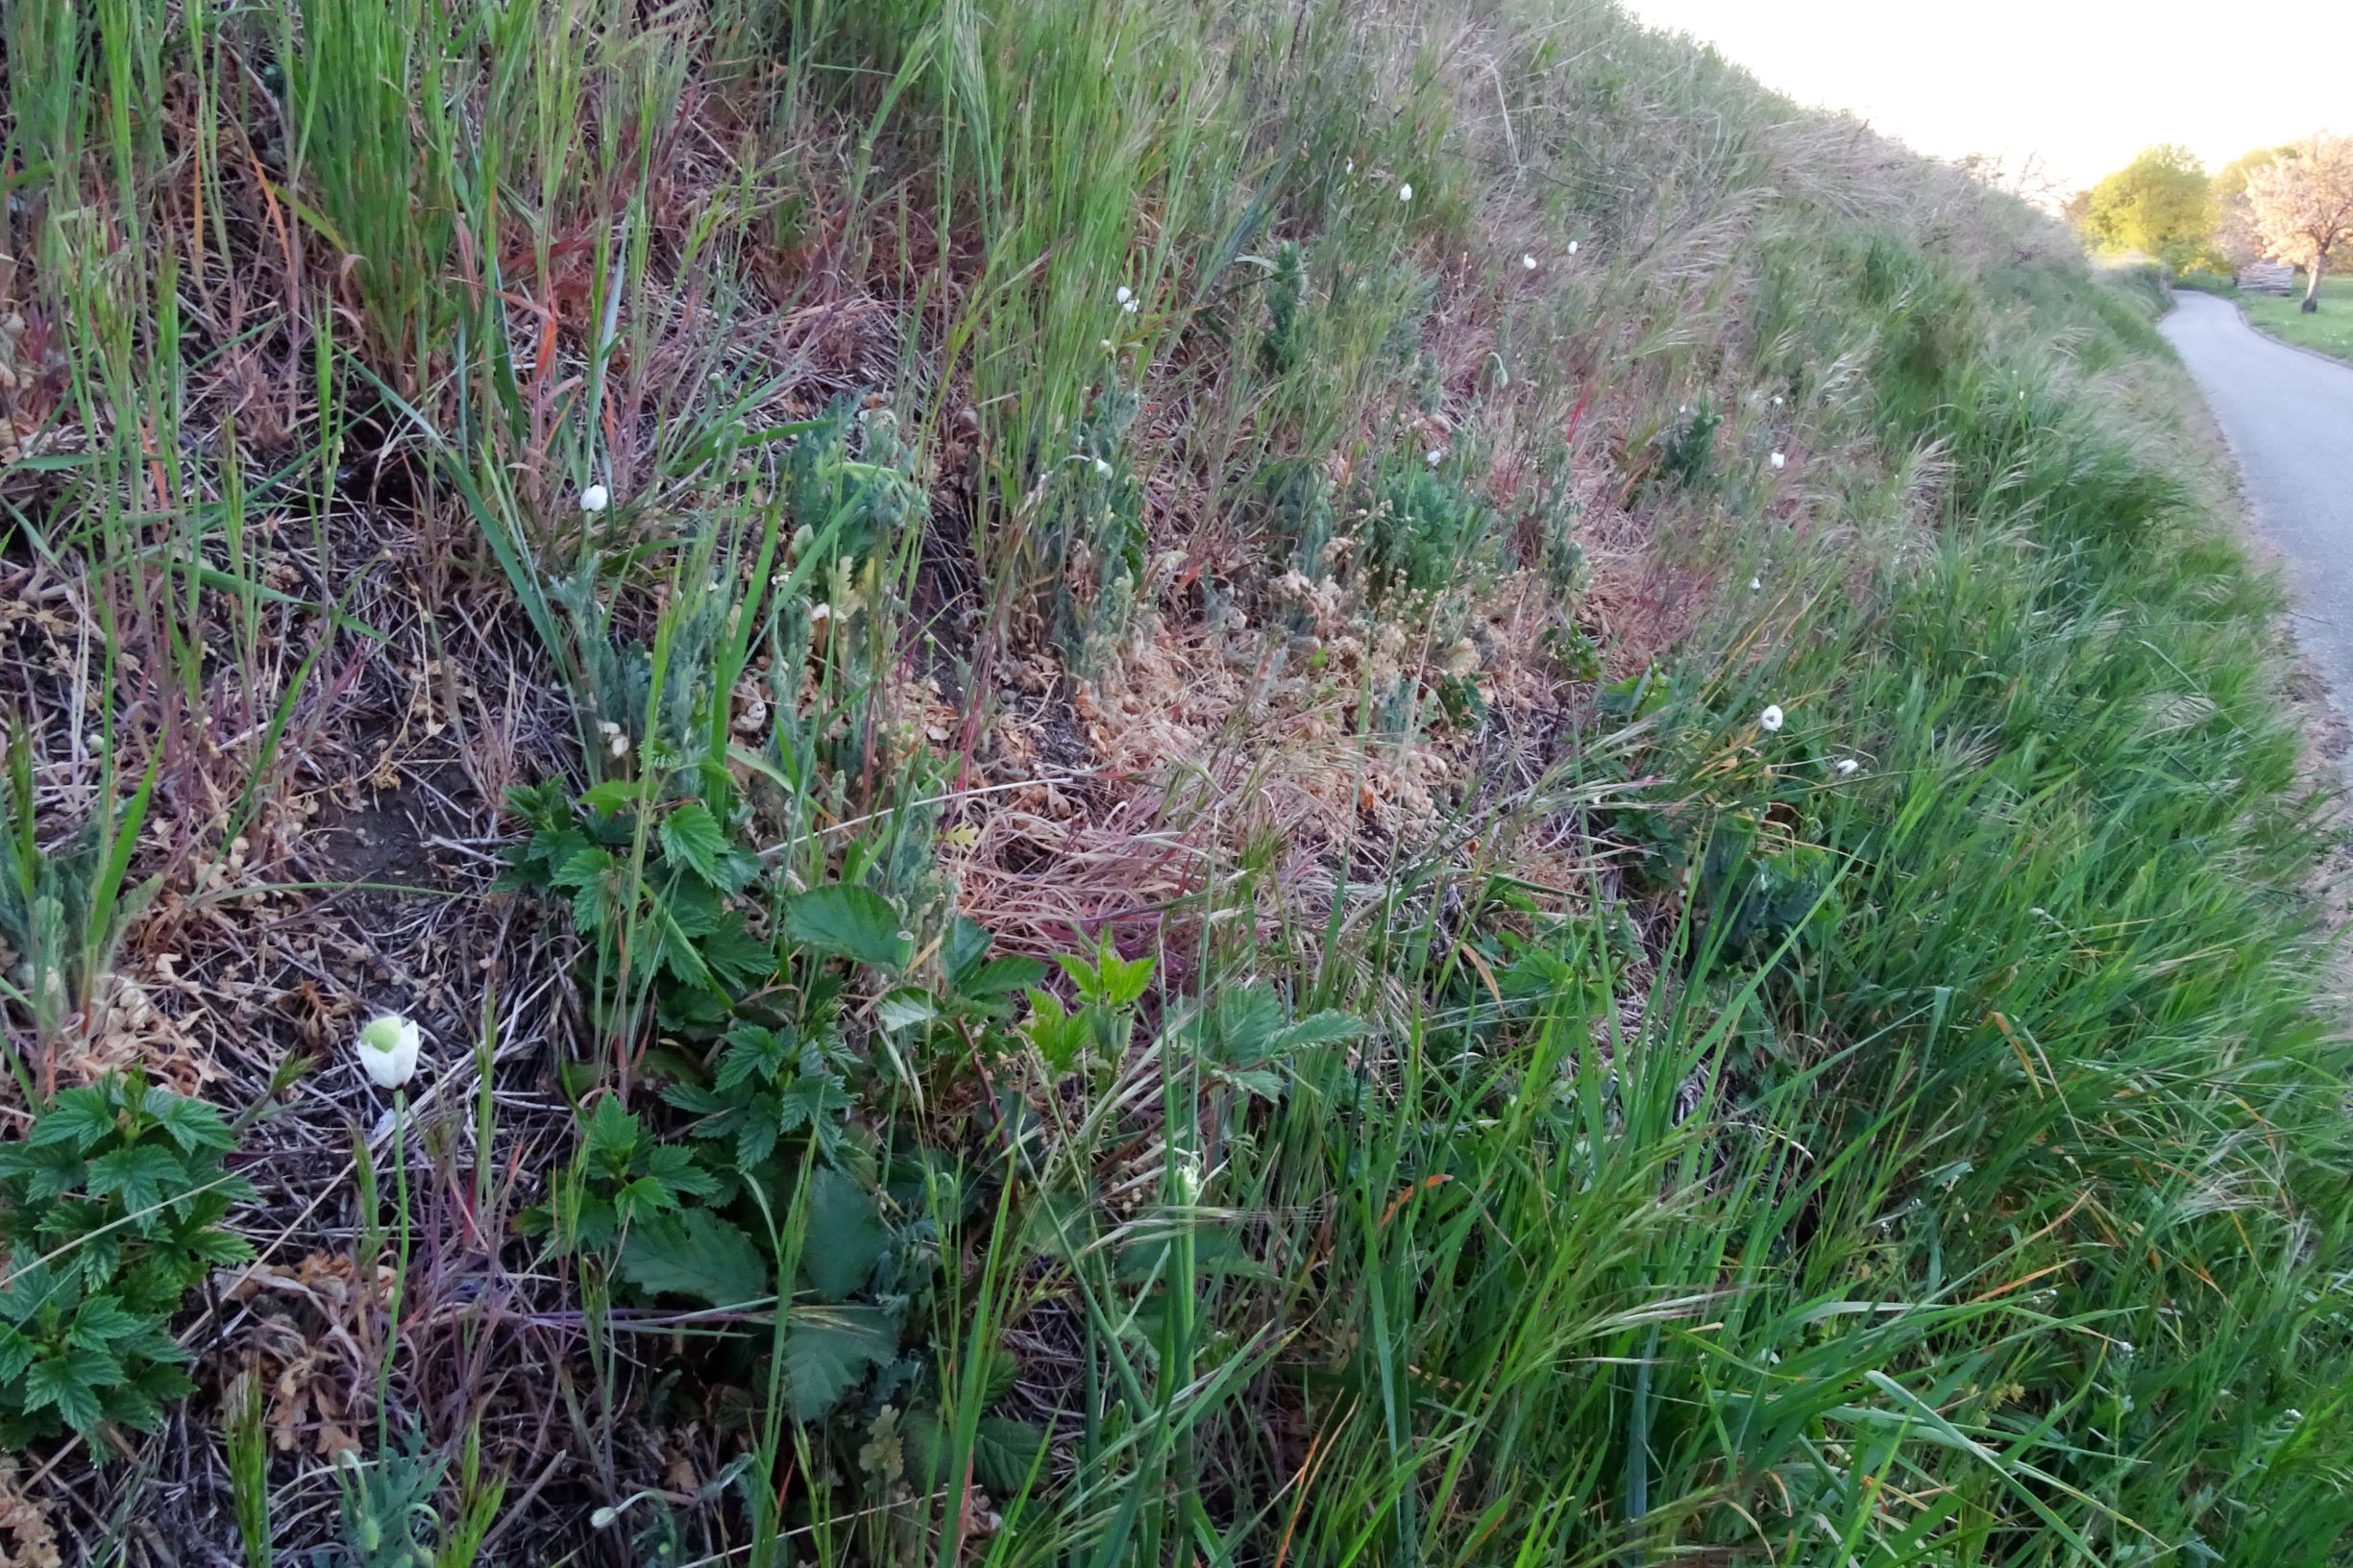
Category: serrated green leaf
<point>755,1141</point>
<point>1005,1454</point>
<point>694,1254</point>
<point>904,1009</point>
<point>136,1174</point>
<point>691,837</point>
<point>827,1351</point>
<point>614,795</point>
<point>736,956</point>
<point>966,945</point>
<point>69,1382</point>
<point>999,977</point>
<point>101,1320</point>
<point>1317,1029</point>
<point>612,1132</point>
<point>192,1124</point>
<point>845,1235</point>
<point>582,868</point>
<point>81,1119</point>
<point>854,922</point>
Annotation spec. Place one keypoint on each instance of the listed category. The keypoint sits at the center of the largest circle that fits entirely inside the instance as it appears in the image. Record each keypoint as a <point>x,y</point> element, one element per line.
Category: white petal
<point>1572,247</point>
<point>1778,459</point>
<point>1123,294</point>
<point>1103,467</point>
<point>1756,586</point>
<point>1771,718</point>
<point>1404,193</point>
<point>1846,766</point>
<point>1128,305</point>
<point>388,1050</point>
<point>1528,262</point>
<point>595,498</point>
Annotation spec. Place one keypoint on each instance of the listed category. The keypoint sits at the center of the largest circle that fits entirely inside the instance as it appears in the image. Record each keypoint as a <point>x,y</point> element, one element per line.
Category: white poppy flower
<point>1771,718</point>
<point>1103,467</point>
<point>1572,247</point>
<point>1756,586</point>
<point>1128,306</point>
<point>388,1050</point>
<point>1778,459</point>
<point>1405,192</point>
<point>1777,400</point>
<point>595,498</point>
<point>1846,766</point>
<point>1528,263</point>
<point>1123,293</point>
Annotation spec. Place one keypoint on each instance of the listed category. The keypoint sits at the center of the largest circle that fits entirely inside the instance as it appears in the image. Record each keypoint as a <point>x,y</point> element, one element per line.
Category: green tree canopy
<point>2157,204</point>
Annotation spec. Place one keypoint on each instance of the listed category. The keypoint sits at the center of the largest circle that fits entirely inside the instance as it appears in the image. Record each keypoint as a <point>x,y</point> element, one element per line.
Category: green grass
<point>1331,784</point>
<point>2328,329</point>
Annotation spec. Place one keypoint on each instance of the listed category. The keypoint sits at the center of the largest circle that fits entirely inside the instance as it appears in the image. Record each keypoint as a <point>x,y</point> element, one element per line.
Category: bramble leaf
<point>694,1254</point>
<point>856,923</point>
<point>827,1352</point>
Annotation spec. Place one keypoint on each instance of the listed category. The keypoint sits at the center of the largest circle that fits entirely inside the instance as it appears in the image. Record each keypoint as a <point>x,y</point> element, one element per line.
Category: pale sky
<point>2086,84</point>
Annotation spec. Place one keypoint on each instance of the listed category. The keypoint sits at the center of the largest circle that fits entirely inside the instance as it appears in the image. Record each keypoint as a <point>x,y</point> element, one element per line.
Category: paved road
<point>2289,418</point>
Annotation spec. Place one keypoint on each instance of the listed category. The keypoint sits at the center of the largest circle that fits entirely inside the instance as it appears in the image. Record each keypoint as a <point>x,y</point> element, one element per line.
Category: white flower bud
<point>388,1050</point>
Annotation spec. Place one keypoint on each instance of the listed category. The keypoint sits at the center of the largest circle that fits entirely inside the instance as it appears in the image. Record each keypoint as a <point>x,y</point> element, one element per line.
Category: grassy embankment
<point>1676,869</point>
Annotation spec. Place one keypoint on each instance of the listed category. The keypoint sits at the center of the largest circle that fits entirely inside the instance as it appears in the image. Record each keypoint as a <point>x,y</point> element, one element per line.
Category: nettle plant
<point>797,1162</point>
<point>111,1210</point>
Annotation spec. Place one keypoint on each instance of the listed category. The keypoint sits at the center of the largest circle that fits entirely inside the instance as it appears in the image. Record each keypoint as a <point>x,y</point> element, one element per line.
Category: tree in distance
<point>2303,207</point>
<point>2157,204</point>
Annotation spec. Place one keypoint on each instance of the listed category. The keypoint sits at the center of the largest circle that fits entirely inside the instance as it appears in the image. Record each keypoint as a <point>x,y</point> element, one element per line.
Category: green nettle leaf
<point>612,1132</point>
<point>614,795</point>
<point>827,1351</point>
<point>999,977</point>
<point>192,1124</point>
<point>694,1254</point>
<point>856,923</point>
<point>1005,1452</point>
<point>966,947</point>
<point>137,1174</point>
<point>904,1009</point>
<point>65,1381</point>
<point>815,1101</point>
<point>101,1320</point>
<point>1059,1036</point>
<point>691,837</point>
<point>1317,1029</point>
<point>845,1238</point>
<point>736,956</point>
<point>755,1141</point>
<point>583,868</point>
<point>80,1118</point>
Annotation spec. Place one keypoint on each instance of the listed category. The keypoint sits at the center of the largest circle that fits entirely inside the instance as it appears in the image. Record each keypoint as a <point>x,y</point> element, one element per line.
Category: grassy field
<point>1296,783</point>
<point>2328,329</point>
